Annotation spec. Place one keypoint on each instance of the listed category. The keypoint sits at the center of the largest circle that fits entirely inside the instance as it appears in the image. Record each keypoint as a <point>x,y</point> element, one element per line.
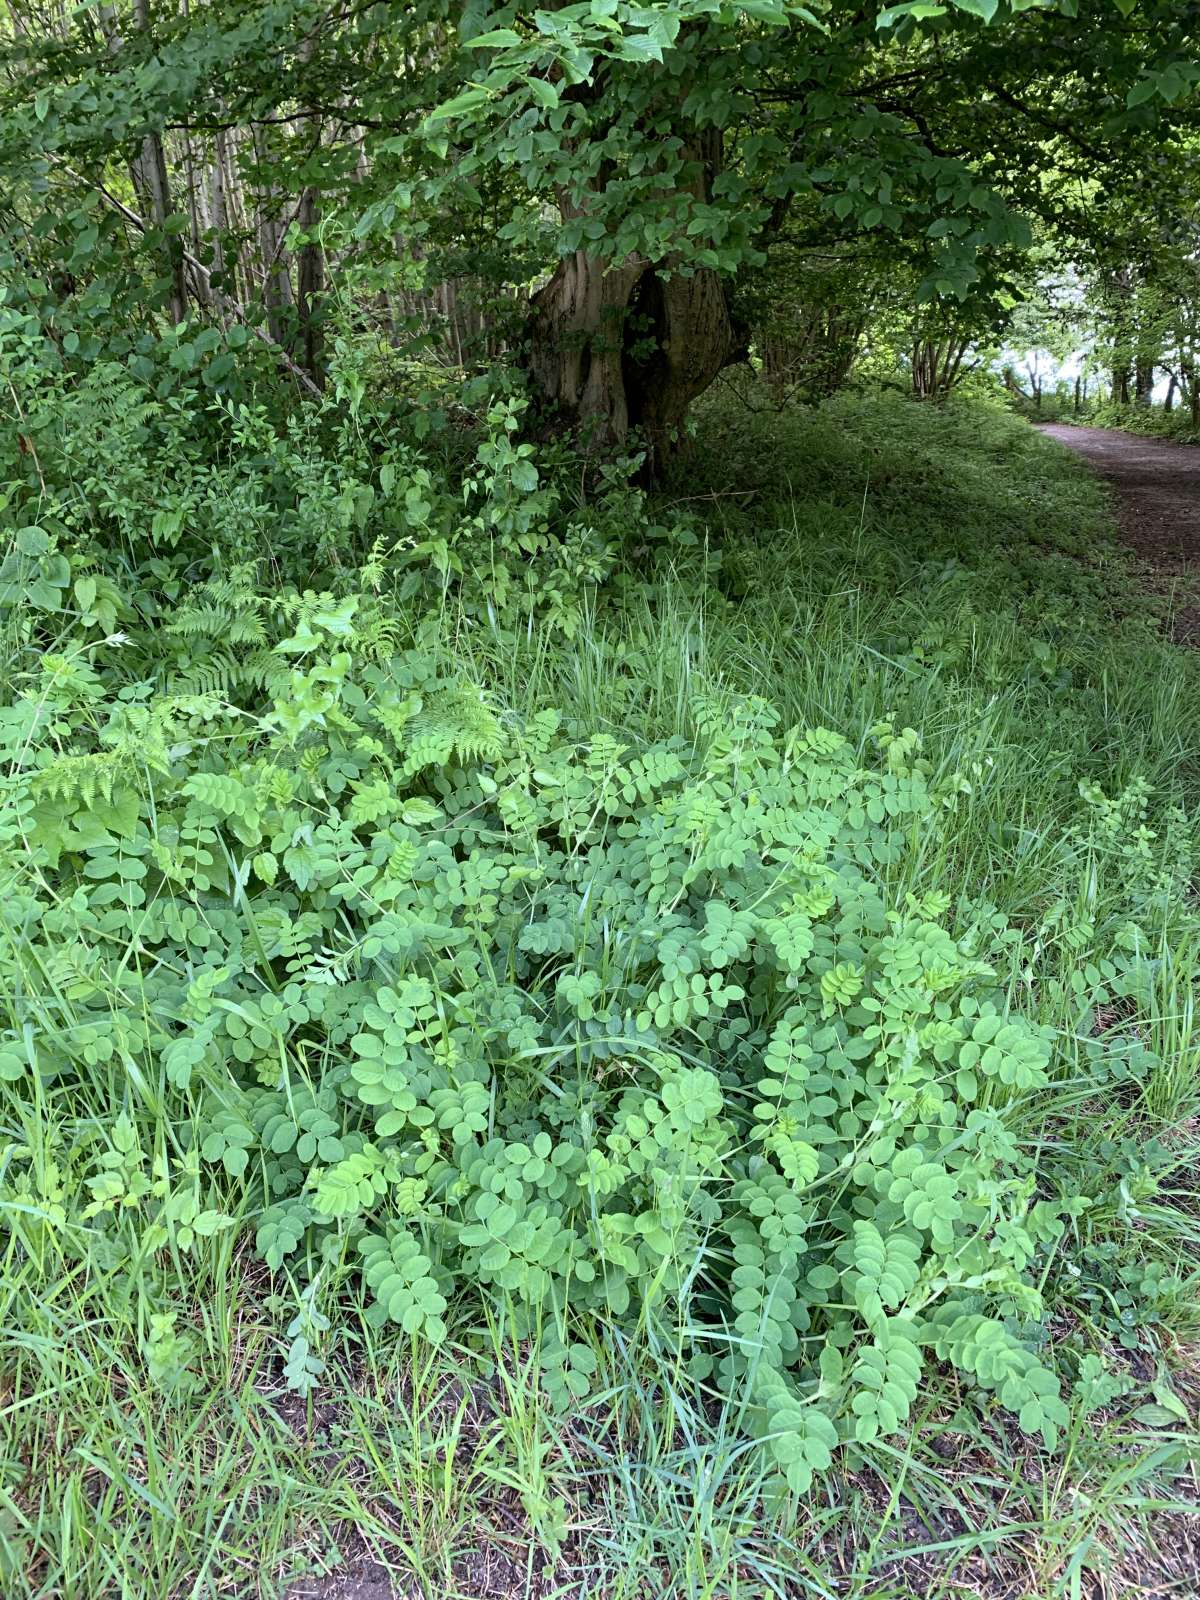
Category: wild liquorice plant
<point>514,1010</point>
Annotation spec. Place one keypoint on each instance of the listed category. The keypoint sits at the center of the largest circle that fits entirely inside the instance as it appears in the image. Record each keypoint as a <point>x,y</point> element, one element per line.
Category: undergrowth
<point>1154,421</point>
<point>666,1025</point>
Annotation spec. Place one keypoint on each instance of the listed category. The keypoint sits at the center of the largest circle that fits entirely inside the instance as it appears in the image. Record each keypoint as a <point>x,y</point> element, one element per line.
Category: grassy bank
<point>882,670</point>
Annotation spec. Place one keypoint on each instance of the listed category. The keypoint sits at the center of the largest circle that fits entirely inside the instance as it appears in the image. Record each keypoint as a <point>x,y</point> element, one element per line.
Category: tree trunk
<point>272,229</point>
<point>310,265</point>
<point>1169,402</point>
<point>577,334</point>
<point>310,284</point>
<point>1143,380</point>
<point>615,348</point>
<point>148,169</point>
<point>936,361</point>
<point>690,340</point>
<point>813,351</point>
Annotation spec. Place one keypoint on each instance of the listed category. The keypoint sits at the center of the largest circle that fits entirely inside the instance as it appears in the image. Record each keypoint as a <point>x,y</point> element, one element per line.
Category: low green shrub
<point>168,479</point>
<point>678,1012</point>
<point>518,1010</point>
<point>1153,421</point>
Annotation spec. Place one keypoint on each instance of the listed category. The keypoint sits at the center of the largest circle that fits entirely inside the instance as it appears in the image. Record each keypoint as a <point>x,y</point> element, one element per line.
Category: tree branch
<point>223,300</point>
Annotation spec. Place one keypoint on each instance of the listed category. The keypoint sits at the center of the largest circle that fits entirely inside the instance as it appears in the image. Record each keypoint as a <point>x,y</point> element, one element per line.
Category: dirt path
<point>1158,506</point>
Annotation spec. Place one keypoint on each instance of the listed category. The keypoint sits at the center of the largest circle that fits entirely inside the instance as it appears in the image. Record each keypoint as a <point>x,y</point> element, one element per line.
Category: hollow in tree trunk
<point>681,337</point>
<point>625,346</point>
<point>615,348</point>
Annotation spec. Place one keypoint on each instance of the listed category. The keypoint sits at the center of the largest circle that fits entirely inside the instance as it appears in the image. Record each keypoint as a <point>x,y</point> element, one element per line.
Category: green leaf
<point>32,541</point>
<point>543,92</point>
<point>1152,1415</point>
<point>459,106</point>
<point>495,39</point>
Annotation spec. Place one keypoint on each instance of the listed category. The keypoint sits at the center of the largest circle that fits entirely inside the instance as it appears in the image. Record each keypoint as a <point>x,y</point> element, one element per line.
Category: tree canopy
<point>614,183</point>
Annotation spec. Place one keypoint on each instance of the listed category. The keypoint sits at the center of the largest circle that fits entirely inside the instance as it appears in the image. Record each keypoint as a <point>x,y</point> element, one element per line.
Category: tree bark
<point>691,341</point>
<point>1143,380</point>
<point>310,284</point>
<point>936,361</point>
<point>577,334</point>
<point>816,352</point>
<point>615,346</point>
<point>276,288</point>
<point>148,169</point>
<point>310,266</point>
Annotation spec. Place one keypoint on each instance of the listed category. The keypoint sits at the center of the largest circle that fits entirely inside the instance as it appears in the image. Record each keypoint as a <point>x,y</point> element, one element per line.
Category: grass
<point>881,567</point>
<point>1152,421</point>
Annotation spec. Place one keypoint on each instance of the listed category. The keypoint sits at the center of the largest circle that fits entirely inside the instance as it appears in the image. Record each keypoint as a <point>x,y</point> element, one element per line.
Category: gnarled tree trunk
<point>682,337</point>
<point>621,346</point>
<point>577,335</point>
